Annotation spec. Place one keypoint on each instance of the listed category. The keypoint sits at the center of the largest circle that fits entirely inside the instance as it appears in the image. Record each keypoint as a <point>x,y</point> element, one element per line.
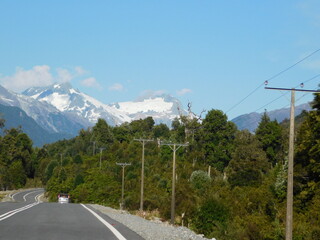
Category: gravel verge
<point>149,230</point>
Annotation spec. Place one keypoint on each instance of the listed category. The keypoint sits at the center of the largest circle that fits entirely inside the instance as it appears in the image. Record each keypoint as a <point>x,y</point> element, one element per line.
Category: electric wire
<point>282,94</point>
<point>271,78</point>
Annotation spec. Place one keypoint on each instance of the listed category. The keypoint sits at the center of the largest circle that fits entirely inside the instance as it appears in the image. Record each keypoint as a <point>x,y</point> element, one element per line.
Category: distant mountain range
<point>251,121</point>
<point>86,110</point>
<point>16,117</point>
<point>60,111</point>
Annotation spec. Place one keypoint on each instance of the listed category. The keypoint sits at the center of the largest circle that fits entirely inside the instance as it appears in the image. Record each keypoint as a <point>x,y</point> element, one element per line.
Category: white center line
<point>24,197</point>
<point>15,211</point>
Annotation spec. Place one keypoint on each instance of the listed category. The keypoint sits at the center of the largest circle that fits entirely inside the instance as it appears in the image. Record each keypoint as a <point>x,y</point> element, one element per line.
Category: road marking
<point>15,211</point>
<point>24,197</point>
<point>108,225</point>
<point>37,198</point>
<point>14,195</point>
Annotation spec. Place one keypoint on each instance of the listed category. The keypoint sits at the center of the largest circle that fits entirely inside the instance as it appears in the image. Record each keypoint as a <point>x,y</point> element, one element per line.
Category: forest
<point>230,184</point>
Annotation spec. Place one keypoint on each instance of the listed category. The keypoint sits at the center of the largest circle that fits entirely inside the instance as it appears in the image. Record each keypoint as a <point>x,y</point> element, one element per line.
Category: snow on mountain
<point>46,115</point>
<point>86,110</point>
<point>162,108</point>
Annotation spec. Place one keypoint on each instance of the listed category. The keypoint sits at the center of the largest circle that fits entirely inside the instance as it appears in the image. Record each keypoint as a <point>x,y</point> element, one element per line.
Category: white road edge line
<point>112,229</point>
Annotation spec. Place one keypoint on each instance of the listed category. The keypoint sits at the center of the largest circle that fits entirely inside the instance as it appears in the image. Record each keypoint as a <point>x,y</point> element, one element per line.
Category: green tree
<point>269,133</point>
<point>307,159</point>
<point>217,136</point>
<point>102,132</point>
<point>248,162</point>
<point>161,131</point>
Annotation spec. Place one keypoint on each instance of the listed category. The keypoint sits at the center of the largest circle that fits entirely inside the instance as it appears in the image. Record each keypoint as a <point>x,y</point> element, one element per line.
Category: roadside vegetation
<point>230,184</point>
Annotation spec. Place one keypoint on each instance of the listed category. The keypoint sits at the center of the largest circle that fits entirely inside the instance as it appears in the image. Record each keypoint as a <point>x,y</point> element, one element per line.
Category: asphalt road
<point>27,218</point>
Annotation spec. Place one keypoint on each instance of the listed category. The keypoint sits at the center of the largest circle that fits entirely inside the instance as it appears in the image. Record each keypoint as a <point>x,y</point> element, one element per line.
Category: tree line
<point>230,184</point>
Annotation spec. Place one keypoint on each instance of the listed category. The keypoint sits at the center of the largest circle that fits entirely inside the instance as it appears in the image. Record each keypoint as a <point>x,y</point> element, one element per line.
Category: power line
<point>271,78</point>
<point>282,94</point>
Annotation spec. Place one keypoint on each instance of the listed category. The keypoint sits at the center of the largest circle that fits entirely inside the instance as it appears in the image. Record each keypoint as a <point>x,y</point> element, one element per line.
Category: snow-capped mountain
<point>162,108</point>
<point>87,110</point>
<point>47,116</point>
<point>80,107</point>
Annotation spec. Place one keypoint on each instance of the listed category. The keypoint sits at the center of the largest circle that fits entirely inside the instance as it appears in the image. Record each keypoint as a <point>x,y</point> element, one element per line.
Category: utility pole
<point>143,141</point>
<point>93,148</point>
<point>123,165</point>
<point>61,159</point>
<point>60,165</point>
<point>101,155</point>
<point>289,216</point>
<point>174,147</point>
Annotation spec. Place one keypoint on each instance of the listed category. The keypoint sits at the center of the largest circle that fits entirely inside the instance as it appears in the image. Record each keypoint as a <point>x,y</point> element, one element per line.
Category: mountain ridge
<point>163,108</point>
<point>250,121</point>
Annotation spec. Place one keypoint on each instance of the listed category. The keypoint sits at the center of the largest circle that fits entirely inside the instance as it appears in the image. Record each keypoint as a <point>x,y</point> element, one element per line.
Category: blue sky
<point>211,53</point>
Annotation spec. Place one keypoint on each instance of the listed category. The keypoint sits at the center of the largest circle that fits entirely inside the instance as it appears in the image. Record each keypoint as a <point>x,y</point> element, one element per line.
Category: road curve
<point>34,220</point>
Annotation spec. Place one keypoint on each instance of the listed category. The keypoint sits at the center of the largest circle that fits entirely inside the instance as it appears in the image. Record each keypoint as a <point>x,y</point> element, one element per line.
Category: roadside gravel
<point>149,230</point>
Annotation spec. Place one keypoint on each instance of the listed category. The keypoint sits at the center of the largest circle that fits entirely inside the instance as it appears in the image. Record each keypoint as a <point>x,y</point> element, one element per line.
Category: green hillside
<point>229,184</point>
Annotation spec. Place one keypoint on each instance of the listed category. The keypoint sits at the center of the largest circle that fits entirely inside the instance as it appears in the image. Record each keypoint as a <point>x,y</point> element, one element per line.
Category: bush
<point>200,180</point>
<point>211,218</point>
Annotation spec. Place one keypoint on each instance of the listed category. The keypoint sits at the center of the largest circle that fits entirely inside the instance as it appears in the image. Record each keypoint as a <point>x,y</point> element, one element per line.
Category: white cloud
<point>90,82</point>
<point>116,87</point>
<point>184,91</point>
<point>41,76</point>
<point>80,71</point>
<point>64,75</point>
<point>150,94</point>
<point>153,93</point>
<point>38,76</point>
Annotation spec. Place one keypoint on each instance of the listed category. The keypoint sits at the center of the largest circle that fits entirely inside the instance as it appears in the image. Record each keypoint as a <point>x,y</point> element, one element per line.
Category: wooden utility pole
<point>289,216</point>
<point>93,148</point>
<point>101,149</point>
<point>174,147</point>
<point>61,159</point>
<point>123,165</point>
<point>143,141</point>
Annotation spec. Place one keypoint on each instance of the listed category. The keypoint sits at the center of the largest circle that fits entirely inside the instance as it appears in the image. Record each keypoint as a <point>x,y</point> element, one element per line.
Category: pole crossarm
<point>123,164</point>
<point>175,146</point>
<point>293,89</point>
<point>143,140</point>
